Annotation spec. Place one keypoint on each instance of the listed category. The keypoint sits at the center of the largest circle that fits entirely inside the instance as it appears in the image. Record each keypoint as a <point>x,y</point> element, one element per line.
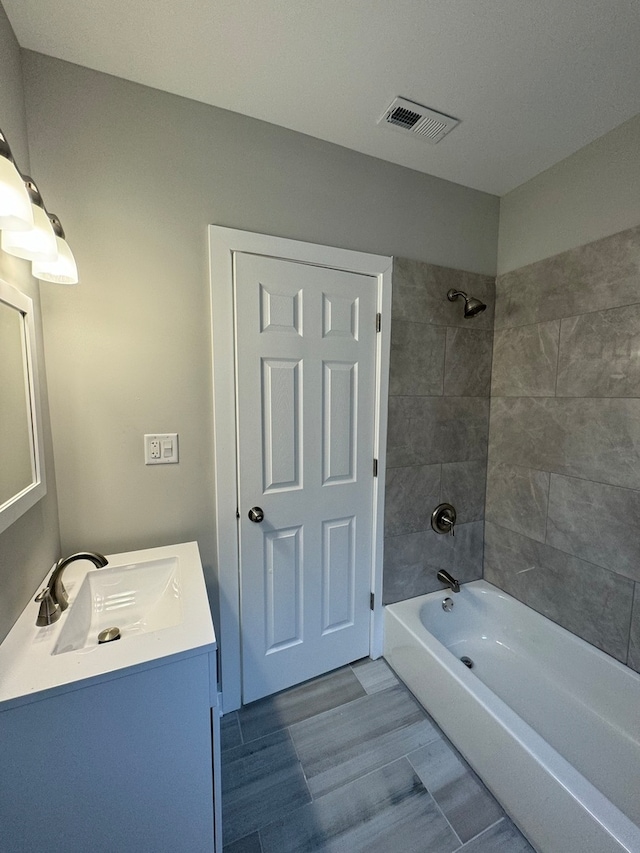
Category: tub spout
<point>446,578</point>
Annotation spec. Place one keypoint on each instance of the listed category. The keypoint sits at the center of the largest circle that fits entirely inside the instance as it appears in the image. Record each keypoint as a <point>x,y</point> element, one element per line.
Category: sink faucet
<point>58,592</point>
<point>445,577</point>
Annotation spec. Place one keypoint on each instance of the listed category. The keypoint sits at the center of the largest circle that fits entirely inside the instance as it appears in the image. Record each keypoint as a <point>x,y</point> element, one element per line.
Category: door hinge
<point>237,513</point>
<point>375,467</point>
<point>372,600</point>
<point>378,322</point>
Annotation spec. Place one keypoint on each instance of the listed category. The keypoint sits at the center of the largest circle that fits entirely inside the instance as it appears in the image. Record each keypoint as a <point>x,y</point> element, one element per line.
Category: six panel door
<point>306,366</point>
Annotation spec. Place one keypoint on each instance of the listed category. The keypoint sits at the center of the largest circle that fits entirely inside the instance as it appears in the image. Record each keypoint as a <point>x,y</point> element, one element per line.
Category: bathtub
<point>550,723</point>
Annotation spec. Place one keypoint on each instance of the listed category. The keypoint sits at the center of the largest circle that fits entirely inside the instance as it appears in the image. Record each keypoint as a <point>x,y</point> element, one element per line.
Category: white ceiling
<point>532,80</point>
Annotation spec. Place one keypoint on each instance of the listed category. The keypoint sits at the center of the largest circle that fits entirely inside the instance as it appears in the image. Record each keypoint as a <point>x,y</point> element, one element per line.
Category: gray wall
<point>438,426</point>
<point>137,175</point>
<point>29,547</point>
<point>592,194</point>
<point>563,490</point>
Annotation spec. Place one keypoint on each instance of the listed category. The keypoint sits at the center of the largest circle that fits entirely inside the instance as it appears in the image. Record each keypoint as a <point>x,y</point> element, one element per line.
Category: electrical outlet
<point>161,449</point>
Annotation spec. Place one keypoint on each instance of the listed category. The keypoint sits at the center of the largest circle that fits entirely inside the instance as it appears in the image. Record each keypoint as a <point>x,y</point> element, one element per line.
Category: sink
<point>137,599</point>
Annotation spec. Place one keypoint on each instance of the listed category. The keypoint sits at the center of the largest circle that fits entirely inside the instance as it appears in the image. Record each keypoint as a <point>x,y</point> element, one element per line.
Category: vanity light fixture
<point>29,231</point>
<point>63,270</point>
<point>38,244</point>
<point>15,205</point>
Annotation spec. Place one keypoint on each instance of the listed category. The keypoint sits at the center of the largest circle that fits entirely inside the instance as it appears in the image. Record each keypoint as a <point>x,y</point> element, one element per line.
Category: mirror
<point>22,478</point>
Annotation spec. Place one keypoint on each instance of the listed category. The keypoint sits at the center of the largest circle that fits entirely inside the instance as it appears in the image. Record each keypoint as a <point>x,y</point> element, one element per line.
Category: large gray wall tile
<point>411,494</point>
<point>467,371</point>
<point>601,275</point>
<point>525,360</point>
<point>598,523</point>
<point>583,428</point>
<point>634,637</point>
<point>438,421</point>
<point>586,599</point>
<point>517,498</point>
<point>411,561</point>
<point>463,485</point>
<point>600,354</point>
<point>420,294</point>
<point>417,358</point>
<point>427,430</point>
<point>597,439</point>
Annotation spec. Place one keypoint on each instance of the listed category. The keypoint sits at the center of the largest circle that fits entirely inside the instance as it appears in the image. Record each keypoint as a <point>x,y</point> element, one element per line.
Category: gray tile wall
<point>440,376</point>
<point>563,477</point>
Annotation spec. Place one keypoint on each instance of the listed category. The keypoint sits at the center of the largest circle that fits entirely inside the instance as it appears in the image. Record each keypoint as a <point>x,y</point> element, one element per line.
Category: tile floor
<point>350,762</point>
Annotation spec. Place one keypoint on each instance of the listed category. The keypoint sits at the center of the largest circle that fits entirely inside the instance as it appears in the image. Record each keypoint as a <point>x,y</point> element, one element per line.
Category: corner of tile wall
<point>439,385</point>
<point>563,482</point>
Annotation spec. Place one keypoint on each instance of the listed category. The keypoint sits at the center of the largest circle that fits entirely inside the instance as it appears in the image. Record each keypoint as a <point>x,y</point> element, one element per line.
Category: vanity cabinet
<point>114,748</point>
<point>125,765</point>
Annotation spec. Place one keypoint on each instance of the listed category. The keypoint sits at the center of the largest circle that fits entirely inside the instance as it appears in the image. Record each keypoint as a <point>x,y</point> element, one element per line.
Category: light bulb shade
<point>38,244</point>
<point>61,271</point>
<point>16,213</point>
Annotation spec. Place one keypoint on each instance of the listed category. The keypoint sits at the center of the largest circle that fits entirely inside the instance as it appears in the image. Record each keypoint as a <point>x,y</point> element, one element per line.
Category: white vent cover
<point>410,117</point>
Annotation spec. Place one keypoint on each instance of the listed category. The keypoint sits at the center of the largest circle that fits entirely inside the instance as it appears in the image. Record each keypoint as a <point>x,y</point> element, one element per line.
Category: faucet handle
<point>49,609</point>
<point>443,518</point>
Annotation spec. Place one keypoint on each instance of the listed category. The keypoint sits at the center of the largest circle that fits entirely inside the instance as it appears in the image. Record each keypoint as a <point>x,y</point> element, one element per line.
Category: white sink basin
<point>138,598</point>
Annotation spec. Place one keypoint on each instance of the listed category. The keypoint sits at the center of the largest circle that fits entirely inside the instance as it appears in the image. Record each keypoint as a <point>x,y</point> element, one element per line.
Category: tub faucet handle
<point>443,519</point>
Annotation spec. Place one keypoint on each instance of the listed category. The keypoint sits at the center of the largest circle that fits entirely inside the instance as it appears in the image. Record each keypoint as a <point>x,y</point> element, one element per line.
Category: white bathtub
<point>550,723</point>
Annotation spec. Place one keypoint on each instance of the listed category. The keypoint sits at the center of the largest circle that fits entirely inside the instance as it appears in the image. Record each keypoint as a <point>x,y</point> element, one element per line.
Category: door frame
<point>223,243</point>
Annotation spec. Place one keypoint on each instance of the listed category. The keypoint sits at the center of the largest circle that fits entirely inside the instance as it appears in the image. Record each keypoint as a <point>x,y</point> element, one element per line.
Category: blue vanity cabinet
<point>126,763</point>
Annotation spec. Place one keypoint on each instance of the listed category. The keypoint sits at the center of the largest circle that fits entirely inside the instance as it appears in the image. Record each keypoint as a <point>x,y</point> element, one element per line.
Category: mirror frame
<point>19,503</point>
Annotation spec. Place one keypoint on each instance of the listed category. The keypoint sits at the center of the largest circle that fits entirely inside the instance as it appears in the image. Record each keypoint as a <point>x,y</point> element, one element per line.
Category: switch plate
<point>161,448</point>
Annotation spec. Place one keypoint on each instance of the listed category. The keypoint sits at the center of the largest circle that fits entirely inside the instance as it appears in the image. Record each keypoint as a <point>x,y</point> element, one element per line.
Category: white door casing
<point>305,368</point>
<point>277,487</point>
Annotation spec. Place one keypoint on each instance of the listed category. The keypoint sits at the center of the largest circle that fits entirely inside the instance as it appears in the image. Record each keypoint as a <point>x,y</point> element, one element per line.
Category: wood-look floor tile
<point>298,703</point>
<point>374,675</point>
<point>248,844</point>
<point>466,803</point>
<point>503,837</point>
<point>261,781</point>
<point>230,731</point>
<point>388,810</point>
<point>340,745</point>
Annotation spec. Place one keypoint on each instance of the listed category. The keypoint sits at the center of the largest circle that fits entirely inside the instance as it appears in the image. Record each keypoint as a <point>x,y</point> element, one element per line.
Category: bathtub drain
<point>467,661</point>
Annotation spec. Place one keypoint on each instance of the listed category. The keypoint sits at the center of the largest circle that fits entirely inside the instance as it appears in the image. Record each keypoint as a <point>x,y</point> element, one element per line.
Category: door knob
<point>256,514</point>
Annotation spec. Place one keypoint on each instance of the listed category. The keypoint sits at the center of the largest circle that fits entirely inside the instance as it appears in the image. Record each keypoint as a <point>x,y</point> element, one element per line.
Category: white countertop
<point>29,671</point>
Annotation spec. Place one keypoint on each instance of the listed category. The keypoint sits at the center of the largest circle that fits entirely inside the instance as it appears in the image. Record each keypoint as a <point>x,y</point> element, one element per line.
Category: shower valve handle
<point>443,519</point>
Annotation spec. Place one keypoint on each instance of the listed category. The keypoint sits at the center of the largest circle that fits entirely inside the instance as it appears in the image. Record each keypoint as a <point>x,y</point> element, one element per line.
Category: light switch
<point>161,449</point>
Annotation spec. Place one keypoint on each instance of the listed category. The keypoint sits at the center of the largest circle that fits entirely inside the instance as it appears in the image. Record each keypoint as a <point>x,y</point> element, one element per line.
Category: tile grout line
<point>304,773</point>
<point>481,833</point>
<point>566,553</point>
<point>435,802</point>
<point>304,719</point>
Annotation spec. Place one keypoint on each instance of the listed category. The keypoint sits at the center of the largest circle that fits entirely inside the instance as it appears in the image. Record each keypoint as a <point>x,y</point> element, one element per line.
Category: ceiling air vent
<point>414,118</point>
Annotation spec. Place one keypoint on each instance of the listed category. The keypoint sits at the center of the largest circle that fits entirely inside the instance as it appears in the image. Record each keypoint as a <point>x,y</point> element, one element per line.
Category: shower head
<point>471,306</point>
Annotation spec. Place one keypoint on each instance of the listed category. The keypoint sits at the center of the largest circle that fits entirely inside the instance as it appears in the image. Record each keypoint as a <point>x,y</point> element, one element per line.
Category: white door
<point>306,369</point>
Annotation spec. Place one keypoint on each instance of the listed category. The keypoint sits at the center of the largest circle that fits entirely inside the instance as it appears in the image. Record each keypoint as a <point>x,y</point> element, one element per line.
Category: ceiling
<point>531,80</point>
